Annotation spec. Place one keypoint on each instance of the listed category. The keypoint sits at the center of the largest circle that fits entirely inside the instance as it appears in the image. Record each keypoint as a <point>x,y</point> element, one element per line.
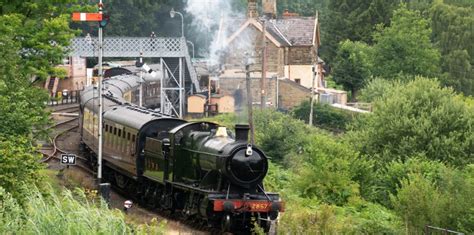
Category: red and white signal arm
<point>80,16</point>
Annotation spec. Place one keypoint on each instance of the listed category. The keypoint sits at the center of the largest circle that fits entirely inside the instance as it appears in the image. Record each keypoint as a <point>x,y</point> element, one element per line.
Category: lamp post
<point>192,44</point>
<point>172,14</point>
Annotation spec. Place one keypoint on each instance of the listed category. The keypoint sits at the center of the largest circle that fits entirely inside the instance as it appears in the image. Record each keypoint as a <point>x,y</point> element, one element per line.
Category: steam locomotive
<point>198,169</point>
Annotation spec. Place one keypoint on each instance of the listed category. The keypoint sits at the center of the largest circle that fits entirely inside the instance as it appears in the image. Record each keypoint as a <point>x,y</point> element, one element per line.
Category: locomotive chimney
<point>242,132</point>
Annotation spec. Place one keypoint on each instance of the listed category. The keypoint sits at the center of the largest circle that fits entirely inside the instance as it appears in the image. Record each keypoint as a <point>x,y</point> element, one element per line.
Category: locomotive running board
<point>184,186</point>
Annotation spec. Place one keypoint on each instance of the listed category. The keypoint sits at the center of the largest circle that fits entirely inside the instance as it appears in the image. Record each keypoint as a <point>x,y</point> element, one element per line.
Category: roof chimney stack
<point>269,8</point>
<point>252,9</point>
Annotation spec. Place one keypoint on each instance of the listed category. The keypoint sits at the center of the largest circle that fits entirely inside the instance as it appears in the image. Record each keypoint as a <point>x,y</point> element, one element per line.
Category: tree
<point>405,47</point>
<point>33,37</point>
<point>303,7</point>
<point>453,33</point>
<point>352,66</point>
<point>42,31</point>
<point>418,119</point>
<point>354,20</point>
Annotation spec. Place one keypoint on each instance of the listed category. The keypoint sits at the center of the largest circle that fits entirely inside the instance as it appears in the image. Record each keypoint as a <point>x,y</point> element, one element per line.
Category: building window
<point>298,80</point>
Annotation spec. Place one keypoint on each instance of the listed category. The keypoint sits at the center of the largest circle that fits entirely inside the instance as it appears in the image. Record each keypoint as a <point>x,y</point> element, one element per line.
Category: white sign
<point>127,204</point>
<point>68,159</point>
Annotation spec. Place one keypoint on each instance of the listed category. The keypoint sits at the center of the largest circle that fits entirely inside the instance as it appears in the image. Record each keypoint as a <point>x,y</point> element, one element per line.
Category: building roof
<point>288,31</point>
<point>299,31</point>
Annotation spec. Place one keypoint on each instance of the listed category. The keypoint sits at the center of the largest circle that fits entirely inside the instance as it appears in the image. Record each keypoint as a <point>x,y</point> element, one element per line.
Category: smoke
<point>208,17</point>
<point>211,15</point>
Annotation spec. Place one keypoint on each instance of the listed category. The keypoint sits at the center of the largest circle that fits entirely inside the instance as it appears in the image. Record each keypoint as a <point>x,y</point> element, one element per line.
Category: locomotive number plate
<point>258,206</point>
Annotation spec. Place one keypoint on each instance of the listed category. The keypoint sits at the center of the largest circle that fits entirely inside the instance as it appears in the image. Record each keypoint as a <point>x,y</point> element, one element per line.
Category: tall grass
<point>68,213</point>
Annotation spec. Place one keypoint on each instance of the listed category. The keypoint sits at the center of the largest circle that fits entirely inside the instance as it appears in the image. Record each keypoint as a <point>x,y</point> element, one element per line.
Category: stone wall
<point>290,93</point>
<point>300,55</point>
<point>251,38</point>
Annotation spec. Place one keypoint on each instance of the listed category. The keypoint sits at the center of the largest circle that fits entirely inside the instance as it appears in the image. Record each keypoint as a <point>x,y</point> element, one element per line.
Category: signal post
<point>102,20</point>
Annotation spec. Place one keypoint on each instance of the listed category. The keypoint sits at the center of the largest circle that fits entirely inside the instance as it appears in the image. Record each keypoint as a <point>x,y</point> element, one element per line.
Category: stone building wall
<point>290,94</point>
<point>300,55</point>
<point>251,38</point>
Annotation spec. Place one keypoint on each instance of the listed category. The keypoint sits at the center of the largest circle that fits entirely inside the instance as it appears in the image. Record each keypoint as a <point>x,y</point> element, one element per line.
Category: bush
<point>418,202</point>
<point>304,215</point>
<point>417,119</point>
<point>377,88</point>
<point>324,116</point>
<point>19,165</point>
<point>389,177</point>
<point>445,201</point>
<point>278,134</point>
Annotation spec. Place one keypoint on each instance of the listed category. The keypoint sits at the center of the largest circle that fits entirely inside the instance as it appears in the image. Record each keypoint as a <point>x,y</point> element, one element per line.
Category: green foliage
<point>324,116</point>
<point>303,215</point>
<point>446,203</point>
<point>376,89</point>
<point>354,20</point>
<point>135,18</point>
<point>303,7</point>
<point>453,33</point>
<point>40,30</point>
<point>279,134</point>
<point>352,65</point>
<point>390,176</point>
<point>19,165</point>
<point>417,119</point>
<point>416,201</point>
<point>70,213</point>
<point>405,47</point>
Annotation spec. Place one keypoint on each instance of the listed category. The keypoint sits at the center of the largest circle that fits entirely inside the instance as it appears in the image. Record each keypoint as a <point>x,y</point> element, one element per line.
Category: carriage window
<point>115,130</point>
<point>133,138</point>
<point>119,133</point>
<point>128,136</point>
<point>106,128</point>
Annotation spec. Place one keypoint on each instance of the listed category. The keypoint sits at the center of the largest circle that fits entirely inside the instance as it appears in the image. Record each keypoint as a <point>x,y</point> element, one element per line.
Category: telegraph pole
<point>264,67</point>
<point>315,69</point>
<point>249,98</point>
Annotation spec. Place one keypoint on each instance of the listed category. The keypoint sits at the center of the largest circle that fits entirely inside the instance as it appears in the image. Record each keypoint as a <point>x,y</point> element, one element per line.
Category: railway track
<point>56,150</point>
<point>198,225</point>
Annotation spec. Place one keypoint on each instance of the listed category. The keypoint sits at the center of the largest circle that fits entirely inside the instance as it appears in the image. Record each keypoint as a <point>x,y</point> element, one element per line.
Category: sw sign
<point>68,159</point>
